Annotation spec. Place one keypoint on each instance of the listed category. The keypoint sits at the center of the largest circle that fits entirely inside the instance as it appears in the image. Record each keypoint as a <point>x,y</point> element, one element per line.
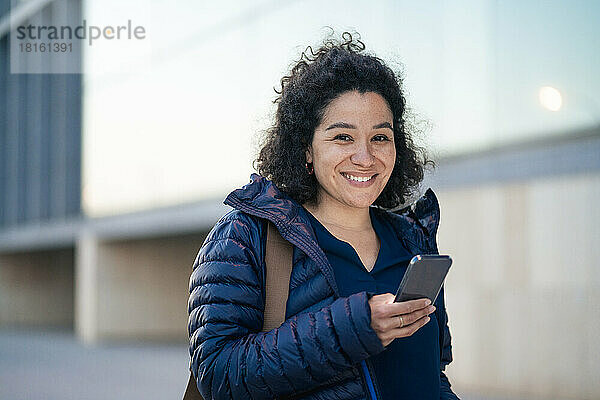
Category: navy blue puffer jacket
<point>322,350</point>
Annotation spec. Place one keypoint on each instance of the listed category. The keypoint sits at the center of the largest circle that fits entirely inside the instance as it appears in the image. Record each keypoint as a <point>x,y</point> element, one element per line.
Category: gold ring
<point>401,321</point>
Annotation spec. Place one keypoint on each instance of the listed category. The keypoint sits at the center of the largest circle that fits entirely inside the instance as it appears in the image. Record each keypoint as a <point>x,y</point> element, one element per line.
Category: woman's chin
<point>360,201</point>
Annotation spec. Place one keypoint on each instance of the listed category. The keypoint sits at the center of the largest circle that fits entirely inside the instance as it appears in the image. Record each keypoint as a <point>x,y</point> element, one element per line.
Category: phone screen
<point>424,277</point>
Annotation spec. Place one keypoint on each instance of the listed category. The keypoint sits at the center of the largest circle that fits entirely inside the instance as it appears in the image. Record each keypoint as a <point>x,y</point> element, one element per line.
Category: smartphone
<point>424,277</point>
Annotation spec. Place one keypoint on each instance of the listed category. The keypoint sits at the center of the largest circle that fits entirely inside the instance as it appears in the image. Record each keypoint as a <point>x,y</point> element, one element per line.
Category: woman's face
<point>353,150</point>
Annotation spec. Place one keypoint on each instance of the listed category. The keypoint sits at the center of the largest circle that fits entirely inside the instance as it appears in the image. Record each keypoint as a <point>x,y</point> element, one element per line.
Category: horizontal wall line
<point>568,154</point>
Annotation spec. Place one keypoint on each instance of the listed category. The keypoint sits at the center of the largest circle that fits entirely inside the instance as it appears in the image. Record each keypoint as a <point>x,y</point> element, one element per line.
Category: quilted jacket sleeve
<point>231,358</point>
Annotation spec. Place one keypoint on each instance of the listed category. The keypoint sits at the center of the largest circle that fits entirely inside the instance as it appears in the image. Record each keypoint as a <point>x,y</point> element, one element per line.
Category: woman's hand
<point>394,320</point>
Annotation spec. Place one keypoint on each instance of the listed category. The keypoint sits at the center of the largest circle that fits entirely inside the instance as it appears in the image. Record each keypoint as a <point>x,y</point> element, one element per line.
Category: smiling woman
<point>309,97</point>
<point>352,151</point>
<point>337,156</point>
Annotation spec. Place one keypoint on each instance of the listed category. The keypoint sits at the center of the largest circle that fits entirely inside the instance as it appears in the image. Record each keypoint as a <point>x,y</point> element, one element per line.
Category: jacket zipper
<point>370,384</point>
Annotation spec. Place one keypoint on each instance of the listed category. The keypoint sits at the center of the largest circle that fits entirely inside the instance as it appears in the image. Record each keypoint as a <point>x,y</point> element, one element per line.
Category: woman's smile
<point>359,180</point>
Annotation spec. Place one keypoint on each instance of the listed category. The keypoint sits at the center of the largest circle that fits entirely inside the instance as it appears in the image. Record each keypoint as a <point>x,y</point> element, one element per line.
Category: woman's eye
<point>343,137</point>
<point>381,138</point>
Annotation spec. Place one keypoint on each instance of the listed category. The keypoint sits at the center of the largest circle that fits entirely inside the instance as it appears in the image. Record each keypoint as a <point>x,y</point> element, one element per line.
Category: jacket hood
<point>416,225</point>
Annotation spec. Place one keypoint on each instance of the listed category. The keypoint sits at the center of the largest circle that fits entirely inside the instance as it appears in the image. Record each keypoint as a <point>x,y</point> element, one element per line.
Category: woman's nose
<point>362,156</point>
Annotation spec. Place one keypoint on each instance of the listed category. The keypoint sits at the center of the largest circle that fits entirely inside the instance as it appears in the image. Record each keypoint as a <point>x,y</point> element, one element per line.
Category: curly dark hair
<point>315,81</point>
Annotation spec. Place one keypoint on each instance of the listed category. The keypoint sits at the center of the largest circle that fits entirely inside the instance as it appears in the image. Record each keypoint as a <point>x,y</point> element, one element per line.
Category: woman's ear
<point>309,158</point>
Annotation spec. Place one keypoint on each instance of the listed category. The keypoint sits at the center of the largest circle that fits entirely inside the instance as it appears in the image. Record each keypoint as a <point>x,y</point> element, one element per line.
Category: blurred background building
<point>110,178</point>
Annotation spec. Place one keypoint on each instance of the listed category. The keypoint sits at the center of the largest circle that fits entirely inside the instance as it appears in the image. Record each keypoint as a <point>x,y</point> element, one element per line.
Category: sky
<point>175,117</point>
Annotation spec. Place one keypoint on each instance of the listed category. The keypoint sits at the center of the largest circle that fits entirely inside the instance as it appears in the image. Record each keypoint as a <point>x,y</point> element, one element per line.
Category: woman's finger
<point>402,320</point>
<point>408,319</point>
<point>406,307</point>
<point>407,330</point>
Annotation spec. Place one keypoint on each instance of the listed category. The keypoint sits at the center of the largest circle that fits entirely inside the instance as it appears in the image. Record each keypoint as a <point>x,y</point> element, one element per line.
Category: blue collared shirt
<point>409,367</point>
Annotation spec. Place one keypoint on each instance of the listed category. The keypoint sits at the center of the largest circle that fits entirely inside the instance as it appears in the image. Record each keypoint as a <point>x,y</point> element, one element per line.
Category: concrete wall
<point>523,293</point>
<point>36,288</point>
<point>133,289</point>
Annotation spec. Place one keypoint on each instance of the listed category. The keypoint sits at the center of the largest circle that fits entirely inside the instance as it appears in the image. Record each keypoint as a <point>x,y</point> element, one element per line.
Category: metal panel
<point>4,7</point>
<point>21,149</point>
<point>58,145</point>
<point>34,135</point>
<point>73,151</point>
<point>73,104</point>
<point>33,125</point>
<point>11,151</point>
<point>45,139</point>
<point>3,124</point>
<point>40,133</point>
<point>45,136</point>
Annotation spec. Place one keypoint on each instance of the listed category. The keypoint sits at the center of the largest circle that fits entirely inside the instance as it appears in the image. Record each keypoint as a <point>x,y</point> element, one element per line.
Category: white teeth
<point>358,178</point>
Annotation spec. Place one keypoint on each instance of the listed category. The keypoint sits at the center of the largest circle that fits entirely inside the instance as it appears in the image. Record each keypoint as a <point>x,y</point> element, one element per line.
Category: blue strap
<point>368,378</point>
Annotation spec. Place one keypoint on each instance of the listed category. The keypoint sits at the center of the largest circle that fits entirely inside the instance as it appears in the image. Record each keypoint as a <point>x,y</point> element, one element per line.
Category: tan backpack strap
<point>278,260</point>
<point>191,391</point>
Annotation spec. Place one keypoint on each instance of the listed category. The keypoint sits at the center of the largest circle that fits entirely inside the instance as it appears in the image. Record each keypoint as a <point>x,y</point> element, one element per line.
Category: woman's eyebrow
<point>383,125</point>
<point>346,125</point>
